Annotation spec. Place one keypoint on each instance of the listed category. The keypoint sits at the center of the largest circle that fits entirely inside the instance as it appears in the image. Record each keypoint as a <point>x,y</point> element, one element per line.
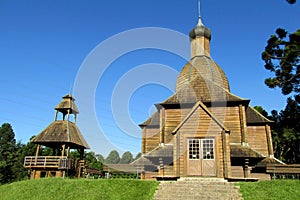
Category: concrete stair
<point>197,188</point>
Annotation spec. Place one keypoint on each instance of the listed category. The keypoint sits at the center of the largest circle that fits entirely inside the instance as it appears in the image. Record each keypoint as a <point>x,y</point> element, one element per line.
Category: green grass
<point>73,189</point>
<point>119,189</point>
<point>267,190</point>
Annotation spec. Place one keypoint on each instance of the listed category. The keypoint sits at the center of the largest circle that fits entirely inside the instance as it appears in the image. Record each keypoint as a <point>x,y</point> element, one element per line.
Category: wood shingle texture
<point>67,104</point>
<point>202,89</point>
<point>254,117</point>
<point>205,67</point>
<point>61,132</point>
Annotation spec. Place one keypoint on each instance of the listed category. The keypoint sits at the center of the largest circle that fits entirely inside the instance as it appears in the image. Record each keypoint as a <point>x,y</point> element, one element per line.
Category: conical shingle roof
<point>61,132</point>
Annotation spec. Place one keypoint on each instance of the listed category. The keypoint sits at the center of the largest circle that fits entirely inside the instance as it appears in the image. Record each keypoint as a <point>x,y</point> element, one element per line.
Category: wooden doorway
<point>201,157</point>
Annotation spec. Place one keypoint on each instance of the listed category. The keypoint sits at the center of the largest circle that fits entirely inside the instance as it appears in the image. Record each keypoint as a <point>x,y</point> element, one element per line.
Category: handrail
<point>47,162</point>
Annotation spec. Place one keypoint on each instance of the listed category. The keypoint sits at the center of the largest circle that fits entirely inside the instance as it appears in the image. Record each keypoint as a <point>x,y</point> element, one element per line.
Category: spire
<point>199,14</point>
<point>200,38</point>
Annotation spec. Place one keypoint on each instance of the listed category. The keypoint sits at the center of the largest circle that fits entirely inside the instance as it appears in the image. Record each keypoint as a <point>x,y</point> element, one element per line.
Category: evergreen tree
<point>127,158</point>
<point>113,157</point>
<point>291,1</point>
<point>138,156</point>
<point>100,158</point>
<point>8,153</point>
<point>286,133</point>
<point>282,57</point>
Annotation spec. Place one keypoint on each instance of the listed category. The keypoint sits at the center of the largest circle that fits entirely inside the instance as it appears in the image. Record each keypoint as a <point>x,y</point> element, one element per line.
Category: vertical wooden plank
<point>162,126</point>
<point>242,124</point>
<point>144,140</point>
<point>225,161</point>
<point>269,140</point>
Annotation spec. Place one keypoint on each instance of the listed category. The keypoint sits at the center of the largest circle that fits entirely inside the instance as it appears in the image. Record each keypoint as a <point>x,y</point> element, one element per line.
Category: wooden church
<point>203,129</point>
<point>61,136</point>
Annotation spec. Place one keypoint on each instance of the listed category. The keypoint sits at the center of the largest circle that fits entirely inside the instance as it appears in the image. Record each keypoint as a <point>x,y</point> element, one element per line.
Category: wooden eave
<point>253,117</point>
<point>200,104</point>
<point>142,161</point>
<point>219,95</point>
<point>239,151</point>
<point>161,151</point>
<point>61,132</point>
<point>152,121</point>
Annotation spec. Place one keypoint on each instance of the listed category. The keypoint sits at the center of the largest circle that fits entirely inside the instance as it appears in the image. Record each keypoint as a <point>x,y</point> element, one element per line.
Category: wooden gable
<point>204,123</point>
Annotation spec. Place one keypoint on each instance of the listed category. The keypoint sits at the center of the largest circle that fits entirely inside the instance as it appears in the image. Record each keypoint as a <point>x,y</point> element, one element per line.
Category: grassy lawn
<point>73,189</point>
<point>88,189</point>
<point>266,190</point>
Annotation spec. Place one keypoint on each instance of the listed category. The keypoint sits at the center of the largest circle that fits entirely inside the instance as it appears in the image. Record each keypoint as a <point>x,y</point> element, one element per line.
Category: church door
<point>201,157</point>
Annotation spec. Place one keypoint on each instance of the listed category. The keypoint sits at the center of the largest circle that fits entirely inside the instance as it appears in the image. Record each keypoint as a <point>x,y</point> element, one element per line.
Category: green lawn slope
<point>73,189</point>
<point>269,190</point>
<point>119,189</point>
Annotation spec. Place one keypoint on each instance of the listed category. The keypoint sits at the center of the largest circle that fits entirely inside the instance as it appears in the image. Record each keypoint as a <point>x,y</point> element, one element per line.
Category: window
<point>208,148</point>
<point>201,149</point>
<point>194,149</point>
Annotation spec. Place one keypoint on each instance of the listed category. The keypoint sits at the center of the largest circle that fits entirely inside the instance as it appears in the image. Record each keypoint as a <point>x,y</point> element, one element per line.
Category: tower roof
<point>206,68</point>
<point>61,132</point>
<point>68,103</point>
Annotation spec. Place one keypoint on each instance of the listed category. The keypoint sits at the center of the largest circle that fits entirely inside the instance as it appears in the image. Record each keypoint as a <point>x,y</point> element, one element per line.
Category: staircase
<point>197,188</point>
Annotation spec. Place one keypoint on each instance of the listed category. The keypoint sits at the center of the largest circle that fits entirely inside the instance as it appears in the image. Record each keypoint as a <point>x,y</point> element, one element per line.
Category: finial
<point>70,92</point>
<point>199,15</point>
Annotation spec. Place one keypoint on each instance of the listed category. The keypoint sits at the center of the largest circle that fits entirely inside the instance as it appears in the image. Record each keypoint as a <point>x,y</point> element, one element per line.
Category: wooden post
<point>246,168</point>
<point>269,140</point>
<point>55,118</point>
<point>68,151</point>
<point>37,150</point>
<point>242,125</point>
<point>225,160</point>
<point>162,126</point>
<point>63,150</point>
<point>144,140</point>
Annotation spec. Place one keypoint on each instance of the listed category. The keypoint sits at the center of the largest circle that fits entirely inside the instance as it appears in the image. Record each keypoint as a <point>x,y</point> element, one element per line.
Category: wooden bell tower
<point>61,136</point>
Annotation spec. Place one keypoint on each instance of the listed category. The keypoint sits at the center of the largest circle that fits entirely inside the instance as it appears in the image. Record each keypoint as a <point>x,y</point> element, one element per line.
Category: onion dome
<point>200,31</point>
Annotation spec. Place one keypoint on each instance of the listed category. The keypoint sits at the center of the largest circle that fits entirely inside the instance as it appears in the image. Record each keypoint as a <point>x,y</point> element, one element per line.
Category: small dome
<point>200,30</point>
<point>206,68</point>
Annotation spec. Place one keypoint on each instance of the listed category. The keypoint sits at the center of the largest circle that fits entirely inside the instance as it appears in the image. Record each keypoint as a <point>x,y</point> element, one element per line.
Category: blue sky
<point>44,44</point>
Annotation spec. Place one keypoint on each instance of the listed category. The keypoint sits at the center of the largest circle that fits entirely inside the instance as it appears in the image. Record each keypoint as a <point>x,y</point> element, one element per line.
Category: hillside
<point>76,189</point>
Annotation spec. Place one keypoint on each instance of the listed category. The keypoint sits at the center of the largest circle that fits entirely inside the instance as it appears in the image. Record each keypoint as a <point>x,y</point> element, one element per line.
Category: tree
<point>282,57</point>
<point>261,110</point>
<point>8,152</point>
<point>138,156</point>
<point>291,1</point>
<point>113,157</point>
<point>127,158</point>
<point>100,158</point>
<point>286,132</point>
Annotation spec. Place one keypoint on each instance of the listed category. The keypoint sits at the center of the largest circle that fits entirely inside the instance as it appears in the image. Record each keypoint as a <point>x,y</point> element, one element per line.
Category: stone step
<point>197,188</point>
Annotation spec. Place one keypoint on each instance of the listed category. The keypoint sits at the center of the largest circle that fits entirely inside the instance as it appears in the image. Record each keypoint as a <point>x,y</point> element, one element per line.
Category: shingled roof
<point>152,121</point>
<point>61,132</point>
<point>201,89</point>
<point>205,67</point>
<point>239,151</point>
<point>67,104</point>
<point>254,117</point>
<point>161,151</point>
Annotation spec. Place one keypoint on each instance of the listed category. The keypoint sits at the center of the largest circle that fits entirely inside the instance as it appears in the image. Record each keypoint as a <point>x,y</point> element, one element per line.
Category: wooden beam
<point>162,126</point>
<point>242,125</point>
<point>225,159</point>
<point>269,140</point>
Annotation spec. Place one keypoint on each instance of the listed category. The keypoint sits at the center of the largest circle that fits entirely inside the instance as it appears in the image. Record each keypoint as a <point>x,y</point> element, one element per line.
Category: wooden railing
<point>57,162</point>
<point>284,171</point>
